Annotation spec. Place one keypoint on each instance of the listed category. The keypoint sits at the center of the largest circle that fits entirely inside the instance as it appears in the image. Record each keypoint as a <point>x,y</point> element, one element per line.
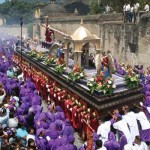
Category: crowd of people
<point>25,125</point>
<point>128,129</point>
<point>131,11</point>
<point>123,69</point>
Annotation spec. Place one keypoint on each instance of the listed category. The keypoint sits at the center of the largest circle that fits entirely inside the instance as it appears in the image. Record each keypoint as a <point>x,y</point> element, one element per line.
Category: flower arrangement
<point>32,53</point>
<point>76,74</point>
<point>92,85</point>
<point>51,59</point>
<point>60,66</point>
<point>106,85</point>
<point>39,56</point>
<point>132,81</point>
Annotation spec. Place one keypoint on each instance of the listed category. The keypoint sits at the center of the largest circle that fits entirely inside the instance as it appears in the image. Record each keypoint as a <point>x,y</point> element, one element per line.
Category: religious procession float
<point>85,94</point>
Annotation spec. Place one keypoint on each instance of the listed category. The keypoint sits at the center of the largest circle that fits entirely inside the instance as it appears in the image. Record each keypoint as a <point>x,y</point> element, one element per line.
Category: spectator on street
<point>146,7</point>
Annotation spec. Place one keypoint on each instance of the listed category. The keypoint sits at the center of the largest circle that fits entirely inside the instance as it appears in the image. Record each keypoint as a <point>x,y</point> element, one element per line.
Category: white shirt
<point>130,119</point>
<point>124,8</point>
<point>146,8</point>
<point>143,146</point>
<point>143,120</point>
<point>4,119</point>
<point>12,122</point>
<point>103,130</point>
<point>16,98</point>
<point>136,7</point>
<point>128,8</point>
<point>30,136</point>
<point>132,8</point>
<point>102,148</point>
<point>122,126</point>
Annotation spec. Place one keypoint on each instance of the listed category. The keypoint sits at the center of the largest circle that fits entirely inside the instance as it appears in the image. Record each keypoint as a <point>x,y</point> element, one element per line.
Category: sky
<point>1,1</point>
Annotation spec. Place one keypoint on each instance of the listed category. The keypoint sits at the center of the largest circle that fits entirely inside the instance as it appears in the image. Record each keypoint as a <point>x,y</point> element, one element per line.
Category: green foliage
<point>50,60</point>
<point>60,68</point>
<point>32,54</point>
<point>95,8</point>
<point>14,9</point>
<point>132,82</point>
<point>92,85</point>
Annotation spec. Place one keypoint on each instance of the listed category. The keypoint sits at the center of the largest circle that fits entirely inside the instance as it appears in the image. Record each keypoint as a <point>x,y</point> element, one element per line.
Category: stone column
<point>87,58</point>
<point>66,56</point>
<point>77,58</point>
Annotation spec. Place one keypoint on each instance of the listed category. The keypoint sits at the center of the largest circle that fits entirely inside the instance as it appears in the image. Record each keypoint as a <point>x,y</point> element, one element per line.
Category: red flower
<point>76,69</point>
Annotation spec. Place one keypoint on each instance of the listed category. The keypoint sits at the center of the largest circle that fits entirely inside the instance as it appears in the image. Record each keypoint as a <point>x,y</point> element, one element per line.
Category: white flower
<point>89,84</point>
<point>114,86</point>
<point>141,103</point>
<point>110,82</point>
<point>81,74</point>
<point>91,79</point>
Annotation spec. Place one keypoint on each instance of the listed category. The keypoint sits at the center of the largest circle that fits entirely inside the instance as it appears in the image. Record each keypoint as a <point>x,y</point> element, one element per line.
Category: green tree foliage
<point>14,9</point>
<point>95,8</point>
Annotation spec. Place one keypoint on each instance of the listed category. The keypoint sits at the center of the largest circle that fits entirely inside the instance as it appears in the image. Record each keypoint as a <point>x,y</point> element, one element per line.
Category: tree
<point>96,8</point>
<point>14,9</point>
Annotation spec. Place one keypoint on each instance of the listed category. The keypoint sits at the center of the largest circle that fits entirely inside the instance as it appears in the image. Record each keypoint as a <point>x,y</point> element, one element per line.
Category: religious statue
<point>49,35</point>
<point>105,64</point>
<point>98,63</point>
<point>110,63</point>
<point>60,53</point>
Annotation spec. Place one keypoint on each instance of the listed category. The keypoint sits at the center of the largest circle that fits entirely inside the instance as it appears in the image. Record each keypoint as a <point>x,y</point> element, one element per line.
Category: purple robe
<point>71,147</point>
<point>123,142</point>
<point>37,109</point>
<point>68,129</point>
<point>40,116</point>
<point>43,124</point>
<point>20,111</point>
<point>59,115</point>
<point>36,100</point>
<point>112,144</point>
<point>145,135</point>
<point>52,143</point>
<point>30,84</point>
<point>41,143</point>
<point>50,116</point>
<point>59,125</point>
<point>22,118</point>
<point>63,147</point>
<point>147,87</point>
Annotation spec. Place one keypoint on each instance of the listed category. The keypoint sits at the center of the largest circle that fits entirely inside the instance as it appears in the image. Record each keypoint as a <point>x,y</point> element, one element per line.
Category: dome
<point>81,33</point>
<point>54,9</point>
